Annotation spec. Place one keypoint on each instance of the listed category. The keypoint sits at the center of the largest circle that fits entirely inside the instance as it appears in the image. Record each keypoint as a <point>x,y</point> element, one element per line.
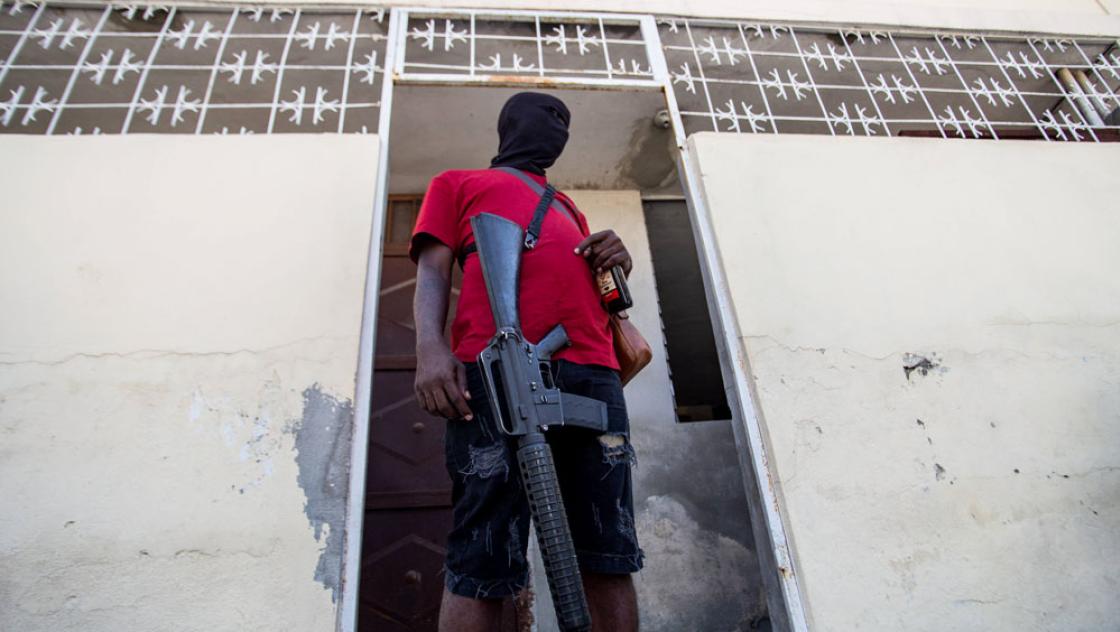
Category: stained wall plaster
<point>177,358</point>
<point>932,332</point>
<point>322,445</point>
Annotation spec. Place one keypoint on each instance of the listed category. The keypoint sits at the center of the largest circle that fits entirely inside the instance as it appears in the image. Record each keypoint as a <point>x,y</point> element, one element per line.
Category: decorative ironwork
<point>79,69</point>
<point>767,78</point>
<point>104,69</point>
<point>545,45</point>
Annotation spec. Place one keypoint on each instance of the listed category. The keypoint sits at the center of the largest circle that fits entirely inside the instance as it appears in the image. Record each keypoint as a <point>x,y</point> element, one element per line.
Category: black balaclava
<point>532,131</point>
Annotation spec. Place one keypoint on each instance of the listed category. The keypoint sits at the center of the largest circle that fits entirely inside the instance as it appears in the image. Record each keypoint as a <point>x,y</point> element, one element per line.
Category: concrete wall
<point>690,509</point>
<point>933,332</point>
<point>177,354</point>
<point>1084,17</point>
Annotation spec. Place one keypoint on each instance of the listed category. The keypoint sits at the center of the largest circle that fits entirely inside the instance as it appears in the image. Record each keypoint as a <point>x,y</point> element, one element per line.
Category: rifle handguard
<point>557,549</point>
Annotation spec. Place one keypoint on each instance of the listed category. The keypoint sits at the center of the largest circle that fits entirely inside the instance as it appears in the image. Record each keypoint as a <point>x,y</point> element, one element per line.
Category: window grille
<point>545,45</point>
<point>101,69</point>
<point>92,68</point>
<point>767,78</point>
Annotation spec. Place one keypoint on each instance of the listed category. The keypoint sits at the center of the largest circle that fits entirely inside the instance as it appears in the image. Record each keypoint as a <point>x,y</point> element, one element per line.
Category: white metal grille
<point>766,78</point>
<point>552,47</point>
<point>124,69</point>
<point>68,69</point>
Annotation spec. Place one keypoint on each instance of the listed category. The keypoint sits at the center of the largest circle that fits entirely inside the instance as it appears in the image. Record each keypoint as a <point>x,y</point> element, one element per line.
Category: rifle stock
<point>501,265</point>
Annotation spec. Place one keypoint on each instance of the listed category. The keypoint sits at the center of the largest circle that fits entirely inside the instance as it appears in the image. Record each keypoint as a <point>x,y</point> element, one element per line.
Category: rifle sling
<point>533,232</point>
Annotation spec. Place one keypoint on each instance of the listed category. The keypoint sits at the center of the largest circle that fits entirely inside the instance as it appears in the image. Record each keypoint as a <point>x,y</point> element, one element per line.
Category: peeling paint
<point>198,405</point>
<point>251,437</point>
<point>912,362</point>
<point>322,445</point>
<point>228,433</point>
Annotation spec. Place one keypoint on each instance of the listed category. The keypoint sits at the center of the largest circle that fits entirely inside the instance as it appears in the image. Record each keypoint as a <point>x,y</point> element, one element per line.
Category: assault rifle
<point>525,401</point>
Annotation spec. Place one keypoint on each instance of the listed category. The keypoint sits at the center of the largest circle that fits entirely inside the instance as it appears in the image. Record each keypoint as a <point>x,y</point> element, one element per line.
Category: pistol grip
<point>552,342</point>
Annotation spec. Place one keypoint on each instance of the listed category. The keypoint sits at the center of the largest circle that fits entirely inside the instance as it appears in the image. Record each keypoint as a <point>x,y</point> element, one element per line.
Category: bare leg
<point>613,602</point>
<point>463,614</point>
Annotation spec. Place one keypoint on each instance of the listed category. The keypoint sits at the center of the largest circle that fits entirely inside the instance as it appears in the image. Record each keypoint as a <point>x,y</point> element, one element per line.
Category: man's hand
<point>441,382</point>
<point>604,250</point>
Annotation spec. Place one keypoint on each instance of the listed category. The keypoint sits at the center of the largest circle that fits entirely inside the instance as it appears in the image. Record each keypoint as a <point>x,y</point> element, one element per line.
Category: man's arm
<point>441,380</point>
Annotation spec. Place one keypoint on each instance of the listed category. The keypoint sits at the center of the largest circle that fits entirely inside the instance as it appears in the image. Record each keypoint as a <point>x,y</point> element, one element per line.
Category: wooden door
<point>408,493</point>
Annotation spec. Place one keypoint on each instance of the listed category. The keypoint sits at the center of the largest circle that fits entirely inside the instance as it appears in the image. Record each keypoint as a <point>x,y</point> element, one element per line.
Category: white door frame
<point>783,593</point>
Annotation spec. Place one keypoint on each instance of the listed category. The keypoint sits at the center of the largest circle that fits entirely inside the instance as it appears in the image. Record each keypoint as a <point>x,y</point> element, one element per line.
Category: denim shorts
<point>487,543</point>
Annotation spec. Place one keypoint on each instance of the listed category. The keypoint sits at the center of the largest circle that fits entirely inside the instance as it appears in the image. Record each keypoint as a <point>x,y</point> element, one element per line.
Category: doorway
<point>619,154</point>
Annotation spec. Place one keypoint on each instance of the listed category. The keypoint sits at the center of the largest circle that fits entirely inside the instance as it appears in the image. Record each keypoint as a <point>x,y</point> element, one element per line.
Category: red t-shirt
<point>557,286</point>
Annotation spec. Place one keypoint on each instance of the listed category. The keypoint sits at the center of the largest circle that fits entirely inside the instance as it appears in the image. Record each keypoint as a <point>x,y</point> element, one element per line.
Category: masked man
<point>487,543</point>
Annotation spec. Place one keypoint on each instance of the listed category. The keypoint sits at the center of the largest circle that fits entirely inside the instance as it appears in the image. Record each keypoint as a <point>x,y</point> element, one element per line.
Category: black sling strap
<point>539,190</point>
<point>533,232</point>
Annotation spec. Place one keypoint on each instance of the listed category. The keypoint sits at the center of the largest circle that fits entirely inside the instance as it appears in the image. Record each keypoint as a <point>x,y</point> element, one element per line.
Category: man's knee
<point>466,614</point>
<point>607,582</point>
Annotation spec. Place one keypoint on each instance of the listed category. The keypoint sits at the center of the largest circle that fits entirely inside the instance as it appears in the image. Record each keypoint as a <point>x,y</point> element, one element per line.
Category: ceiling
<point>614,143</point>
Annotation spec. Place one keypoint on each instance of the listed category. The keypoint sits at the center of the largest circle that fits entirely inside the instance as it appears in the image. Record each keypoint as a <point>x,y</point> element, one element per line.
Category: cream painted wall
<point>1084,17</point>
<point>982,493</point>
<point>177,354</point>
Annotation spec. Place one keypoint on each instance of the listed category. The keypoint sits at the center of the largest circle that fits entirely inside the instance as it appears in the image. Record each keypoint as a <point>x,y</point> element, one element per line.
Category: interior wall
<point>177,354</point>
<point>691,515</point>
<point>614,144</point>
<point>932,331</point>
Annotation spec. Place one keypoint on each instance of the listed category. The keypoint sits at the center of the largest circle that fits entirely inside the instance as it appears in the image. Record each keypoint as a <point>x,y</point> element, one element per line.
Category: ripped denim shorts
<point>487,543</point>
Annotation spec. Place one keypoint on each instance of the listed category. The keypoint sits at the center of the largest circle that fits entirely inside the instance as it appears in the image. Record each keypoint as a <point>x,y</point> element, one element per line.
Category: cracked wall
<point>933,332</point>
<point>177,358</point>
